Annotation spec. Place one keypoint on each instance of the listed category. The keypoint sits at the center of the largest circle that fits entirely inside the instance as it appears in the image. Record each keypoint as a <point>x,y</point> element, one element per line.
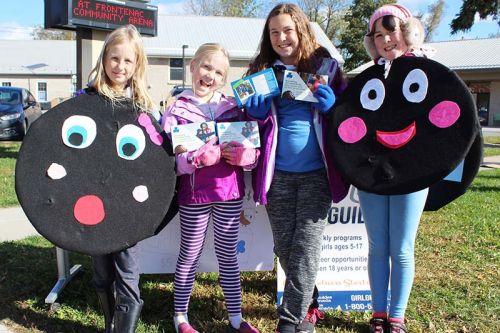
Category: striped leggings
<point>194,224</point>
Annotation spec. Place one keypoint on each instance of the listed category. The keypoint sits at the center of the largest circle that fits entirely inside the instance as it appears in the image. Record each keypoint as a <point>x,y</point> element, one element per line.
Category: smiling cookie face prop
<point>94,177</point>
<point>407,131</point>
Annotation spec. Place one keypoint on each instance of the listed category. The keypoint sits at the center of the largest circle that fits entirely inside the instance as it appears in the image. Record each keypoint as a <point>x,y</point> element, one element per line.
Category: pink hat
<point>396,10</point>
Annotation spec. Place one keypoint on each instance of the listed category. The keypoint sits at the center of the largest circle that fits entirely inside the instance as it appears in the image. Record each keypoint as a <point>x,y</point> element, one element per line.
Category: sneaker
<point>285,327</point>
<point>186,328</point>
<point>308,324</point>
<point>244,328</point>
<point>378,325</point>
<point>395,327</point>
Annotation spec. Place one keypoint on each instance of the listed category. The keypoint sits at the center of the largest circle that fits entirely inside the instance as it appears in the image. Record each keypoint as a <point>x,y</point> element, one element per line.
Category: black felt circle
<point>431,154</point>
<point>96,170</point>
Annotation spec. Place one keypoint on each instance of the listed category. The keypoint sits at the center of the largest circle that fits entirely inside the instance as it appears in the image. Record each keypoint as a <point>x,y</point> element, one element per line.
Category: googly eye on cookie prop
<point>96,177</point>
<point>406,130</point>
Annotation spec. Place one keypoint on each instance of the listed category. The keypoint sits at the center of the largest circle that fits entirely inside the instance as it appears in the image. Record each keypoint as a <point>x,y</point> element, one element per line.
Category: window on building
<point>176,70</point>
<point>42,91</point>
<point>6,84</point>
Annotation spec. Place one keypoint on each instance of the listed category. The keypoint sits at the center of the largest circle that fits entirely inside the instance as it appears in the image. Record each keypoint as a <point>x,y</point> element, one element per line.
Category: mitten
<point>326,98</point>
<point>257,106</point>
<point>207,155</point>
<point>236,154</point>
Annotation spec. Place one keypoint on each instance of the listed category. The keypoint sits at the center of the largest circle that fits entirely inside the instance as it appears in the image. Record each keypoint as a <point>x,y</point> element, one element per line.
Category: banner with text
<point>343,271</point>
<point>158,254</point>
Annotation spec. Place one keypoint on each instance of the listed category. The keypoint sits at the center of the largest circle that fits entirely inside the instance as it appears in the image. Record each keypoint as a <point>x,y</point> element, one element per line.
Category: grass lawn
<point>8,156</point>
<point>456,288</point>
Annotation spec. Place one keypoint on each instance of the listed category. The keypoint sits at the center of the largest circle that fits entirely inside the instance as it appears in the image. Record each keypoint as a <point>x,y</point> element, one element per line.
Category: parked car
<point>18,110</point>
<point>176,90</point>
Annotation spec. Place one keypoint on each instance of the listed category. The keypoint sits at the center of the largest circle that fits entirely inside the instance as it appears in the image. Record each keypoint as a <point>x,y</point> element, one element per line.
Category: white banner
<point>158,254</point>
<point>343,273</point>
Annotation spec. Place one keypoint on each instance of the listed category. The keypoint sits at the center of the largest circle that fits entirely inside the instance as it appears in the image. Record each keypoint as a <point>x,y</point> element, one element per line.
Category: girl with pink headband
<point>409,30</point>
<point>391,220</point>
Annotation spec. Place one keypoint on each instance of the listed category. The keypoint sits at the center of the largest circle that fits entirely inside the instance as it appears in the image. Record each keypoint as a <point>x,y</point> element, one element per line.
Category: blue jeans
<point>391,224</point>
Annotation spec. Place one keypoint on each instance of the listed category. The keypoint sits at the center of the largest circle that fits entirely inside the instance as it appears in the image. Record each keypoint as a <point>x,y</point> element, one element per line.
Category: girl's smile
<point>389,44</point>
<point>284,38</point>
<point>208,75</point>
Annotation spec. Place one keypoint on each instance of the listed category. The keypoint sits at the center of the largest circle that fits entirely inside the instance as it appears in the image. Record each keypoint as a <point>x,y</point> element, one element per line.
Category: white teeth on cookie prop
<point>94,177</point>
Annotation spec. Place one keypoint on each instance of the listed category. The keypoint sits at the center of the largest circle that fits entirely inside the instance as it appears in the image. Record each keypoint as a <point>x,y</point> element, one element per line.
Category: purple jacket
<point>220,182</point>
<point>262,175</point>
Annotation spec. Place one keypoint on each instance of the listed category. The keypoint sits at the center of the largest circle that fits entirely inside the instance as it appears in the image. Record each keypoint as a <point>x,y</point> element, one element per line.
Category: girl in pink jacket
<point>210,185</point>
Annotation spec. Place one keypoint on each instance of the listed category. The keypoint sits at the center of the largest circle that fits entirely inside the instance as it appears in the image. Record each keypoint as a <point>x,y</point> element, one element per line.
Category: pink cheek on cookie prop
<point>444,114</point>
<point>352,130</point>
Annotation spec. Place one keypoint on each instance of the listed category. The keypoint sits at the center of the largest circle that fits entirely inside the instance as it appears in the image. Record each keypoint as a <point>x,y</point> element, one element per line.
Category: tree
<point>329,14</point>
<point>41,33</point>
<point>311,8</point>
<point>234,8</point>
<point>464,20</point>
<point>351,40</point>
<point>432,20</point>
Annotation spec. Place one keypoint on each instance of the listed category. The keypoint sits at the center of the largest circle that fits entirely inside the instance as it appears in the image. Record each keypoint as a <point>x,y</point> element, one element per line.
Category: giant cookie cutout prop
<point>96,178</point>
<point>407,131</point>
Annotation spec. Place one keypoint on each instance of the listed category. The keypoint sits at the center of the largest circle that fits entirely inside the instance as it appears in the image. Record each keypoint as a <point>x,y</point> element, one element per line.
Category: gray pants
<point>298,205</point>
<point>119,268</point>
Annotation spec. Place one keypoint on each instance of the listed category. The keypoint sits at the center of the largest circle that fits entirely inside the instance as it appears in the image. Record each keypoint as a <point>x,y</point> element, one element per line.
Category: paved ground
<point>14,224</point>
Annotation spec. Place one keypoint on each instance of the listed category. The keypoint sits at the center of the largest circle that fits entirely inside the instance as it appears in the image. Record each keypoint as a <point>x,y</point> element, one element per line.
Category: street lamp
<point>32,68</point>
<point>184,47</point>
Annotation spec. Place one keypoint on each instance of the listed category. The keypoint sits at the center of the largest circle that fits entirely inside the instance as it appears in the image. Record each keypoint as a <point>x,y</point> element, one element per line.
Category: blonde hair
<point>208,50</point>
<point>101,82</point>
<point>308,48</point>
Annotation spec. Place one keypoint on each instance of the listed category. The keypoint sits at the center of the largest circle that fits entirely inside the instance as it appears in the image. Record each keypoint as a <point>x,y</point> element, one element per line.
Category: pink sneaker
<point>185,328</point>
<point>309,323</point>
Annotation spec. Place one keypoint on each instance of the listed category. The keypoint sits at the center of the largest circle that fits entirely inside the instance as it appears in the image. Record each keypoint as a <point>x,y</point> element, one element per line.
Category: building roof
<point>43,57</point>
<point>239,35</point>
<point>461,55</point>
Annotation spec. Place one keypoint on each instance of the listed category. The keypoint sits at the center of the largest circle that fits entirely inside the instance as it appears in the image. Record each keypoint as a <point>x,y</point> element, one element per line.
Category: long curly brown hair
<point>309,49</point>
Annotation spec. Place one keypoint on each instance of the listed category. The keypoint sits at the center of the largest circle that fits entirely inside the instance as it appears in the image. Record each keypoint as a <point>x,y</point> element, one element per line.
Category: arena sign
<point>101,14</point>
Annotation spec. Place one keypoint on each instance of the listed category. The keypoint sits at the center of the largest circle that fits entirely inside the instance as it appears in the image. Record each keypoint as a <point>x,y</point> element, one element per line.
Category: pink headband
<point>398,11</point>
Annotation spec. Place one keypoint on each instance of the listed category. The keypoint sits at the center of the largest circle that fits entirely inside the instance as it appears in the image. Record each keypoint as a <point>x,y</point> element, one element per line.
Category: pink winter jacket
<point>219,182</point>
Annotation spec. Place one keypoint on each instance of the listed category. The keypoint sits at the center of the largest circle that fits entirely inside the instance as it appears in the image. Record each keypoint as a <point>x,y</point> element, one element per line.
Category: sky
<point>18,17</point>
